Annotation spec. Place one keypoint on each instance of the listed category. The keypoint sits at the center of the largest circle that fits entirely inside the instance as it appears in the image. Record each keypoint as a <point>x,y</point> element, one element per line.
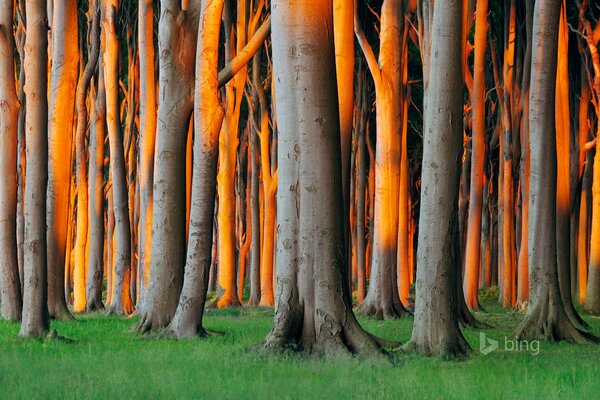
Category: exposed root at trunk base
<point>94,306</point>
<point>450,347</point>
<point>60,313</point>
<point>467,319</point>
<point>375,310</point>
<point>118,310</point>
<point>150,323</point>
<point>225,302</point>
<point>550,322</point>
<point>332,338</point>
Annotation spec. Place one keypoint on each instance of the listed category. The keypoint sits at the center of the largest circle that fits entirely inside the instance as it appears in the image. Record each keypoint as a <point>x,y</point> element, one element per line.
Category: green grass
<point>106,362</point>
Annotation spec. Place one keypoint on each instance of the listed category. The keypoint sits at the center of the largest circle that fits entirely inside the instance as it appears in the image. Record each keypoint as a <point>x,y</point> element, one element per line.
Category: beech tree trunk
<point>96,203</point>
<point>65,56</point>
<point>10,285</point>
<point>79,270</point>
<point>546,317</point>
<point>436,330</point>
<point>35,321</point>
<point>473,241</point>
<point>147,139</point>
<point>177,37</point>
<point>121,298</point>
<point>383,300</point>
<point>208,116</point>
<point>313,310</point>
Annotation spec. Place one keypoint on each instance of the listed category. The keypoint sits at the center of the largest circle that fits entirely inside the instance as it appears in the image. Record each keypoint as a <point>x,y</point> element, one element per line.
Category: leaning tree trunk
<point>177,48</point>
<point>208,116</point>
<point>35,321</point>
<point>436,330</point>
<point>121,298</point>
<point>10,286</point>
<point>313,308</point>
<point>65,56</point>
<point>546,317</point>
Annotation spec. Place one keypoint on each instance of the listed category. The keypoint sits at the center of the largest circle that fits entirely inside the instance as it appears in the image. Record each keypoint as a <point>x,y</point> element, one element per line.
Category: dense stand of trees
<point>159,157</point>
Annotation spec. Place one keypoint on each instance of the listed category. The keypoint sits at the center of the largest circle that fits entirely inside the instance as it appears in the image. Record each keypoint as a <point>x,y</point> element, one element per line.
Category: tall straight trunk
<point>208,117</point>
<point>270,191</point>
<point>592,301</point>
<point>563,154</point>
<point>474,227</point>
<point>522,263</point>
<point>147,138</point>
<point>21,140</point>
<point>96,203</point>
<point>177,35</point>
<point>361,172</point>
<point>546,317</point>
<point>35,321</point>
<point>313,308</point>
<point>10,286</point>
<point>343,34</point>
<point>382,300</point>
<point>254,150</point>
<point>79,279</point>
<point>121,298</point>
<point>65,57</point>
<point>436,330</point>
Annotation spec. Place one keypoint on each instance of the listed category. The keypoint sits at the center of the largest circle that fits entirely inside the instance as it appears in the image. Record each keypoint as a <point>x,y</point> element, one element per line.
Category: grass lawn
<point>106,362</point>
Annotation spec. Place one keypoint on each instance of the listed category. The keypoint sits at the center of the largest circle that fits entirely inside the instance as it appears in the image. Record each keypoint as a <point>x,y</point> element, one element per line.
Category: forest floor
<point>104,361</point>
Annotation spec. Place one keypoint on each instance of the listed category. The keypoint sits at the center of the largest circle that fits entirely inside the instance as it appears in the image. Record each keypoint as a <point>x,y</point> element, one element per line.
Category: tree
<point>436,330</point>
<point>10,287</point>
<point>383,301</point>
<point>473,245</point>
<point>208,116</point>
<point>546,317</point>
<point>177,35</point>
<point>313,308</point>
<point>79,270</point>
<point>65,61</point>
<point>35,321</point>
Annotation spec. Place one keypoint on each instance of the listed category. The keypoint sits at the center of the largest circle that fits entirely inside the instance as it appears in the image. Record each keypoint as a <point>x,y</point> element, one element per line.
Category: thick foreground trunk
<point>436,330</point>
<point>313,310</point>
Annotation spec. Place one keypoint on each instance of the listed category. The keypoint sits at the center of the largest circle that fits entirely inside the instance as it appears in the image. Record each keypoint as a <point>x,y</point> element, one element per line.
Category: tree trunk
<point>65,56</point>
<point>208,117</point>
<point>313,308</point>
<point>121,299</point>
<point>79,280</point>
<point>546,317</point>
<point>10,286</point>
<point>177,48</point>
<point>474,227</point>
<point>436,330</point>
<point>382,300</point>
<point>96,204</point>
<point>35,321</point>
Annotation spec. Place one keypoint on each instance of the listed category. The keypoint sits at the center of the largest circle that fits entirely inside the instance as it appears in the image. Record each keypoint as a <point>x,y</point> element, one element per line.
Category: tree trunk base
<point>448,345</point>
<point>549,321</point>
<point>379,311</point>
<point>119,310</point>
<point>94,306</point>
<point>60,313</point>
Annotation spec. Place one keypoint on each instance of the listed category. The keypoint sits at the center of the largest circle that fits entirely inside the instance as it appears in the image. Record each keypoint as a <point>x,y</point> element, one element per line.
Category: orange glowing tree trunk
<point>473,242</point>
<point>592,301</point>
<point>382,300</point>
<point>60,133</point>
<point>121,298</point>
<point>79,276</point>
<point>10,287</point>
<point>147,138</point>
